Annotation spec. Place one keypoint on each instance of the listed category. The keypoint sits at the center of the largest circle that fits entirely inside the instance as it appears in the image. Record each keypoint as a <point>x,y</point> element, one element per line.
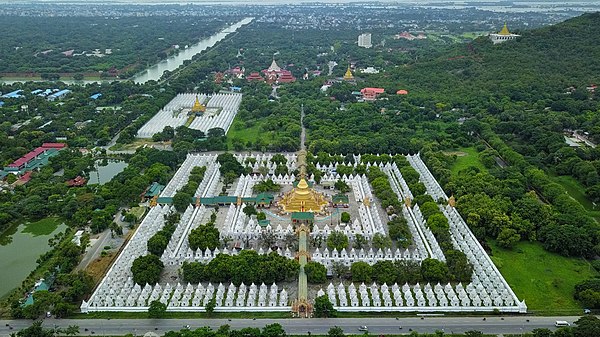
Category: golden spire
<point>348,75</point>
<point>504,30</point>
<point>198,107</point>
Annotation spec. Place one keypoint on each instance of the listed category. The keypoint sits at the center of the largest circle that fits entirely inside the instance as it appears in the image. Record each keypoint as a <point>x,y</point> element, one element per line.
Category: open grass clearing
<point>575,190</point>
<point>138,212</point>
<point>546,281</point>
<point>465,157</point>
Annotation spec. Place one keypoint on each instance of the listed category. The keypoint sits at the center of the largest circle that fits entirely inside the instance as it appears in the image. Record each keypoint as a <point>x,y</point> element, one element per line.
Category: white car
<point>363,328</point>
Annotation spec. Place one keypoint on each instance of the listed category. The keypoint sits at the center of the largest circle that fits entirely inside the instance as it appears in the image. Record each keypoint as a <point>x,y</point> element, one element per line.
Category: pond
<point>20,247</point>
<point>106,170</point>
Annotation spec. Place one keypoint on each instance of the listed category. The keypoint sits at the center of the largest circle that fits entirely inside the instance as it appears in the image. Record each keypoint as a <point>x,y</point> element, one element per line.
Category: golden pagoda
<point>504,30</point>
<point>303,198</point>
<point>198,107</point>
<point>348,75</point>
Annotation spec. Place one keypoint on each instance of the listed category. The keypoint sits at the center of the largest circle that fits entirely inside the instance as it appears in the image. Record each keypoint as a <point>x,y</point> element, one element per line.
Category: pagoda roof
<point>303,216</point>
<point>274,67</point>
<point>264,197</point>
<point>340,199</point>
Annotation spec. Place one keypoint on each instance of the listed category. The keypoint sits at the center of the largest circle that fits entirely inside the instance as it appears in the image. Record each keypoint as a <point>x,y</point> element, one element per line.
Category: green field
<point>544,280</point>
<point>575,190</point>
<point>239,131</point>
<point>465,157</point>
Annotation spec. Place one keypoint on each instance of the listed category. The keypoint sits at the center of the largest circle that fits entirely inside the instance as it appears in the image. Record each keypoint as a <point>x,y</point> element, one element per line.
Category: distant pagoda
<point>348,75</point>
<point>503,36</point>
<point>198,107</point>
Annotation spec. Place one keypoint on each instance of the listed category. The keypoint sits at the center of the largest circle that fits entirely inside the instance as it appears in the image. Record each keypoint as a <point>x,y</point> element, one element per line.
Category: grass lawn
<point>575,190</point>
<point>465,157</point>
<point>138,212</point>
<point>237,131</point>
<point>546,281</point>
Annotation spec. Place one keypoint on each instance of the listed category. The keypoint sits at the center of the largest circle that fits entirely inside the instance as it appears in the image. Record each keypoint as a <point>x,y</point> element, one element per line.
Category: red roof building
<point>78,181</point>
<point>23,161</point>
<point>286,76</point>
<point>370,94</point>
<point>255,76</point>
<point>402,92</point>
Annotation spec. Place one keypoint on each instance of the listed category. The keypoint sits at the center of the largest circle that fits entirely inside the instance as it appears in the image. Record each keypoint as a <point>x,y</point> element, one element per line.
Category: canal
<point>172,63</point>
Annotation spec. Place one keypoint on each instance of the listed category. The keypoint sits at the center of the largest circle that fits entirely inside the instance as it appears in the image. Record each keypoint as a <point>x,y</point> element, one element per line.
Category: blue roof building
<point>1,104</point>
<point>96,96</point>
<point>37,91</point>
<point>59,94</point>
<point>14,94</point>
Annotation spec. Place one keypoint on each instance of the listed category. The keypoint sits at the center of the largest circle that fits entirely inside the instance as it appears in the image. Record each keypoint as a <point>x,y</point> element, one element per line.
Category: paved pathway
<point>377,326</point>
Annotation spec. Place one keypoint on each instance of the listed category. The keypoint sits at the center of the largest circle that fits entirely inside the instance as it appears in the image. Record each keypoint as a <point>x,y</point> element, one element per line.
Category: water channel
<point>172,63</point>
<point>20,247</point>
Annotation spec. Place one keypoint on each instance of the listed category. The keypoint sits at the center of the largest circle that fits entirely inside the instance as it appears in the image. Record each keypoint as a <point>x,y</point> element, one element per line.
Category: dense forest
<point>36,44</point>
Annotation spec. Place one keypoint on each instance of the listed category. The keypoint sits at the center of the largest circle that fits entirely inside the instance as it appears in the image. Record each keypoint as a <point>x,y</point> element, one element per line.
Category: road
<point>377,326</point>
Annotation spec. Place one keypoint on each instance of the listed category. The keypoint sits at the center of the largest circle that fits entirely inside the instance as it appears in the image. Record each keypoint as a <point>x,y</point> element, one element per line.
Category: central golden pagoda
<point>303,198</point>
<point>198,107</point>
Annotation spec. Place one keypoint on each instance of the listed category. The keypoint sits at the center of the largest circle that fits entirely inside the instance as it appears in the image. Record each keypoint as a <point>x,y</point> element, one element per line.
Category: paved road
<point>377,326</point>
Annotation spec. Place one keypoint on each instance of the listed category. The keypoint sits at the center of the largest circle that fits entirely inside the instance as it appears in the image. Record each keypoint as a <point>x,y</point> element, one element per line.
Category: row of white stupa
<point>474,295</point>
<point>173,116</point>
<point>196,296</point>
<point>228,104</point>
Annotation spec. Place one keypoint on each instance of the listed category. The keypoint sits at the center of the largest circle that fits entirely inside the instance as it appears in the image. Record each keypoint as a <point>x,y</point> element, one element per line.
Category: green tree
<point>204,236</point>
<point>381,241</point>
<point>157,244</point>
<point>315,272</point>
<point>157,309</point>
<point>210,306</point>
<point>508,237</point>
<point>35,330</point>
<point>323,307</point>
<point>181,200</point>
<point>273,330</point>
<point>345,217</point>
<point>337,240</point>
<point>434,270</point>
<point>361,272</point>
<point>335,331</point>
<point>147,269</point>
<point>249,210</point>
<point>359,241</point>
<point>587,326</point>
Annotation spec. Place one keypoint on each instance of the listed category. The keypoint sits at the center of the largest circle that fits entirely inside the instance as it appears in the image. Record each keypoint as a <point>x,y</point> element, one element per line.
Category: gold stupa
<point>198,107</point>
<point>348,75</point>
<point>504,30</point>
<point>303,198</point>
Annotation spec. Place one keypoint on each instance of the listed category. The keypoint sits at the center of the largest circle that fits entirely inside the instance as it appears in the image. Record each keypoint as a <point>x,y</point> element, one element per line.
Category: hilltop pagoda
<point>503,36</point>
<point>348,75</point>
<point>198,108</point>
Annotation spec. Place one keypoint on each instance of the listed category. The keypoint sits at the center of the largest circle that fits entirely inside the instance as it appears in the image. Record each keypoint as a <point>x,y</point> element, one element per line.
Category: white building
<point>503,36</point>
<point>364,40</point>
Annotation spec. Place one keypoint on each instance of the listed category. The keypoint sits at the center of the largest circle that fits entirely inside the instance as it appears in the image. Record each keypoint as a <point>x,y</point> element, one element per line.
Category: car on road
<point>561,323</point>
<point>363,328</point>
